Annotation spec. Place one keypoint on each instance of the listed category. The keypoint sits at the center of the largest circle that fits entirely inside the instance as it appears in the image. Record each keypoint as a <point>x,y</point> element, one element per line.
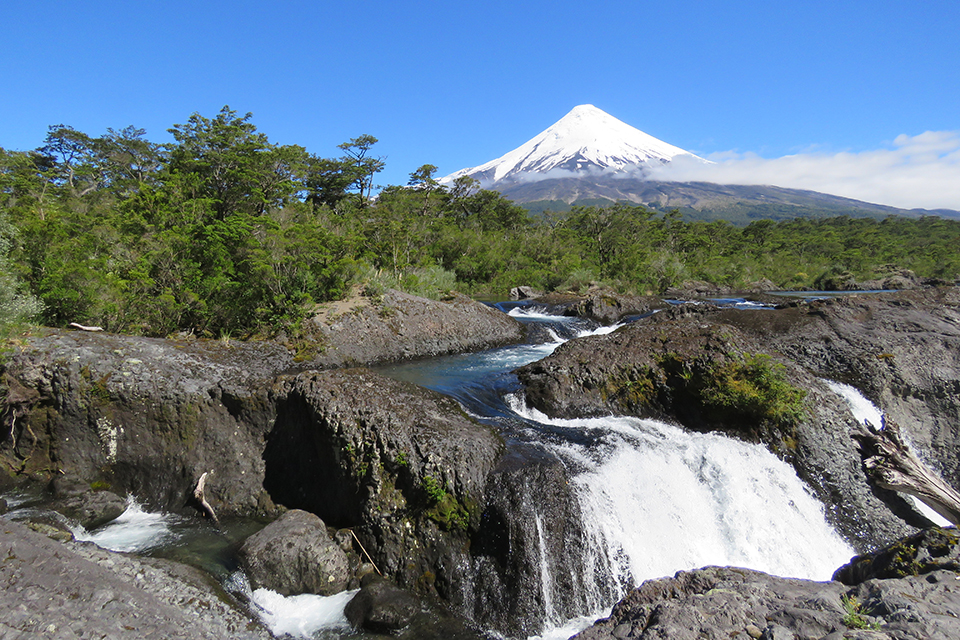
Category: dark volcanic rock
<point>404,466</point>
<point>293,555</point>
<point>723,602</point>
<point>55,590</point>
<point>605,307</point>
<point>399,326</point>
<point>149,416</point>
<point>905,591</point>
<point>90,508</point>
<point>924,552</point>
<point>901,350</point>
<point>382,607</point>
<point>532,524</point>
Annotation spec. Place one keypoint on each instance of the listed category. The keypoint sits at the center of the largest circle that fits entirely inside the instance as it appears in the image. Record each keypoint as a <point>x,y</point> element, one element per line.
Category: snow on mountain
<point>585,141</point>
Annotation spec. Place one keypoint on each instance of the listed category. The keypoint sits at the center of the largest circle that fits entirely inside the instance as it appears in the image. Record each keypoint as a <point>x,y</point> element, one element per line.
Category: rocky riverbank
<point>392,475</point>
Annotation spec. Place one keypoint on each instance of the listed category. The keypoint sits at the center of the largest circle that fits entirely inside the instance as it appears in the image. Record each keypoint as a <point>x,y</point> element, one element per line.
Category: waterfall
<point>657,499</point>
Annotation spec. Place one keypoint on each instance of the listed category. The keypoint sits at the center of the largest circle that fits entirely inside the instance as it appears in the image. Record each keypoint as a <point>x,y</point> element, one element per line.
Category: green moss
<point>444,508</point>
<point>435,492</point>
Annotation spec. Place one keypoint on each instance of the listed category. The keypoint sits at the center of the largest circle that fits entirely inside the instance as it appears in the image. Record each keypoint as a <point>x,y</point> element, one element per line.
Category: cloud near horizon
<point>916,172</point>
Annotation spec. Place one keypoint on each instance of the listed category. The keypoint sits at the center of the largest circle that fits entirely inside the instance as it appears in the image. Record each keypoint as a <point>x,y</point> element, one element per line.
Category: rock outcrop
<point>904,591</point>
<point>294,554</point>
<point>399,326</point>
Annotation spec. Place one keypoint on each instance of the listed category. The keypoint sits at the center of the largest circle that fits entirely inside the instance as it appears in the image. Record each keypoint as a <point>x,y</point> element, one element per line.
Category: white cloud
<point>920,171</point>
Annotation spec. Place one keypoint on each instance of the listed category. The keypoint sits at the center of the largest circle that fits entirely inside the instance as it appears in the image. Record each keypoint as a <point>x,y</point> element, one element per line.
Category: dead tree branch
<point>200,497</point>
<point>892,465</point>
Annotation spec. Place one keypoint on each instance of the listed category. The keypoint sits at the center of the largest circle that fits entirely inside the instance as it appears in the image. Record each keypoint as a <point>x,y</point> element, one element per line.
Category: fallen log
<point>892,465</point>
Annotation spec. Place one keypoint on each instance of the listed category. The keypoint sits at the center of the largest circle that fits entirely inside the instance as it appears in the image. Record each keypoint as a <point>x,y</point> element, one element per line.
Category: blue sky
<point>854,96</point>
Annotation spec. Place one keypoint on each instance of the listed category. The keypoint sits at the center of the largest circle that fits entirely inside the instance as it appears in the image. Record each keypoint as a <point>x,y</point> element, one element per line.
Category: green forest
<point>224,233</point>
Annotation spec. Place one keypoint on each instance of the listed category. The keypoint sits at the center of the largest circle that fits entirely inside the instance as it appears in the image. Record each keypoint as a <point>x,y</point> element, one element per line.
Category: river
<point>654,499</point>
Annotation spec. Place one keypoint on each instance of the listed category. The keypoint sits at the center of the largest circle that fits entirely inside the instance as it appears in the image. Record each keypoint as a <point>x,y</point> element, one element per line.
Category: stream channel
<point>654,499</point>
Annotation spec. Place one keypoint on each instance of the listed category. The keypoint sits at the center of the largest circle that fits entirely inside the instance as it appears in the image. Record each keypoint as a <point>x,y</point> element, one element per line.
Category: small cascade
<point>862,409</point>
<point>303,616</point>
<point>134,531</point>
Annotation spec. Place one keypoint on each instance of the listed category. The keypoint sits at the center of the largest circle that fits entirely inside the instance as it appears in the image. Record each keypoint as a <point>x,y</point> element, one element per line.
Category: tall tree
<point>364,166</point>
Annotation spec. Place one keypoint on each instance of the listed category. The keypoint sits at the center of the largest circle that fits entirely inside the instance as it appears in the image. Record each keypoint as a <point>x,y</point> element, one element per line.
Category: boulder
<point>609,308</point>
<point>294,555</point>
<point>382,607</point>
<point>78,501</point>
<point>524,293</point>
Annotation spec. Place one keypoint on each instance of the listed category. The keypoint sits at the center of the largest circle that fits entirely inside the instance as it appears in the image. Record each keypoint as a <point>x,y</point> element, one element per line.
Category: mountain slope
<point>589,156</point>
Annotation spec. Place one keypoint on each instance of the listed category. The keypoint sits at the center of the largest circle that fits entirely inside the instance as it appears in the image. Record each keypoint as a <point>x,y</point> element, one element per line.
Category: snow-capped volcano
<point>586,141</point>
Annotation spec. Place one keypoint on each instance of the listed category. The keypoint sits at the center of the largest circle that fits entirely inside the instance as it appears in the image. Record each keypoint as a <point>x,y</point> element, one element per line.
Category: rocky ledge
<point>908,590</point>
<point>398,326</point>
<point>77,590</point>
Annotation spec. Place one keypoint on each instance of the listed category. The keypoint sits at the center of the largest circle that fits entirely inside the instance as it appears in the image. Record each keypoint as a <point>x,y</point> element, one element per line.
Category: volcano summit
<point>586,141</point>
<point>590,157</point>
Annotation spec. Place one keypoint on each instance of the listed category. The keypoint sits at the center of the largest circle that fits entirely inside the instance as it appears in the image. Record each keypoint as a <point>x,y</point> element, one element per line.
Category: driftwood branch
<point>892,465</point>
<point>200,497</point>
<point>84,327</point>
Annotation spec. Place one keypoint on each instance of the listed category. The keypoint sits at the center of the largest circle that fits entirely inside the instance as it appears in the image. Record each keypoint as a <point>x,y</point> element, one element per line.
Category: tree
<point>74,155</point>
<point>363,166</point>
<point>239,170</point>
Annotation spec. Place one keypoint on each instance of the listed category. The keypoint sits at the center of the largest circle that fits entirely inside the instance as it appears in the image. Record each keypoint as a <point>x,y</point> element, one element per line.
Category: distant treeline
<point>222,232</point>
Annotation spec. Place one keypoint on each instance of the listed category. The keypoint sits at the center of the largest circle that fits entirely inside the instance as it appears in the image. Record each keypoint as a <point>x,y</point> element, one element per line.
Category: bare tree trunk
<point>892,465</point>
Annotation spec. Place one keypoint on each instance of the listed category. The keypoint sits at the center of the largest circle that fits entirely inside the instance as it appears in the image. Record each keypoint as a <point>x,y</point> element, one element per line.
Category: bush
<point>755,387</point>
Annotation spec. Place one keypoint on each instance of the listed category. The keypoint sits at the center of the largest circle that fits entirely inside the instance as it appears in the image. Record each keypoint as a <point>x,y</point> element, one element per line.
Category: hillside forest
<point>224,233</point>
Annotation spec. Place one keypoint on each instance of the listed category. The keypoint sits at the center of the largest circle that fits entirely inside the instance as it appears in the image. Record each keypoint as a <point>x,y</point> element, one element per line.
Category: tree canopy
<point>222,232</point>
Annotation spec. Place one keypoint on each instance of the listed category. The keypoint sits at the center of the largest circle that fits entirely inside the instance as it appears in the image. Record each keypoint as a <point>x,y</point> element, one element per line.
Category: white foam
<point>863,410</point>
<point>135,530</point>
<point>302,616</point>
